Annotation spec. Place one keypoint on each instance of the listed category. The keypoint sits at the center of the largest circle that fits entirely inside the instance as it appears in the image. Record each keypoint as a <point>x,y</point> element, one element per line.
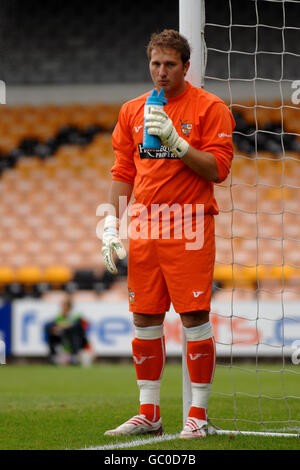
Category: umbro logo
<point>197,293</point>
<point>142,359</point>
<point>194,357</point>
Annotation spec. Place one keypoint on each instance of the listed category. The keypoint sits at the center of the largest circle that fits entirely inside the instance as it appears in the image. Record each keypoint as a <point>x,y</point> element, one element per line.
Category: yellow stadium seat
<point>248,276</point>
<point>224,275</point>
<point>282,273</point>
<point>236,276</point>
<point>29,275</point>
<point>26,165</point>
<point>57,275</point>
<point>8,143</point>
<point>7,275</point>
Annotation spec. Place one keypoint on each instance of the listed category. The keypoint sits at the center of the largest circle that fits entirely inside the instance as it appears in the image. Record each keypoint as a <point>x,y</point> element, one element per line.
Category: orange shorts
<point>164,271</point>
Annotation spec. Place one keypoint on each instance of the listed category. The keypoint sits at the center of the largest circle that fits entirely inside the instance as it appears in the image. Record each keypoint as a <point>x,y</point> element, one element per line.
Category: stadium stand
<point>56,173</point>
<point>72,42</point>
<point>55,159</point>
<point>257,231</point>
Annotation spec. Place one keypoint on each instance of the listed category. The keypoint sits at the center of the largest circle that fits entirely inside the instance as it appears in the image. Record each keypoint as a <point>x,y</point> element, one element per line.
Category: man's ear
<point>186,67</point>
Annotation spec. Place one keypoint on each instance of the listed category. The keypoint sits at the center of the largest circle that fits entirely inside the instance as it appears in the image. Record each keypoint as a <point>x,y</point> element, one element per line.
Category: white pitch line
<point>170,437</point>
<point>257,433</point>
<point>137,442</point>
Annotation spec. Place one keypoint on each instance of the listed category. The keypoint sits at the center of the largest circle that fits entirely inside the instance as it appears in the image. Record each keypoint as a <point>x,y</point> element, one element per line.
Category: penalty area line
<point>135,443</point>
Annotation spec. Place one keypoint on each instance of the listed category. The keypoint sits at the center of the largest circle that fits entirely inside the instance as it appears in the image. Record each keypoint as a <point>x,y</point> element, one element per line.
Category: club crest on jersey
<point>186,127</point>
<point>131,295</point>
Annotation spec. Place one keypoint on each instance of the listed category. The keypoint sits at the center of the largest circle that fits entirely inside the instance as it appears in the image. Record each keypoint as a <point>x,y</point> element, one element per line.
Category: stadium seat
<point>274,279</point>
<point>28,280</point>
<point>85,279</point>
<point>223,274</point>
<point>57,276</point>
<point>29,275</point>
<point>26,166</point>
<point>7,275</point>
<point>285,271</point>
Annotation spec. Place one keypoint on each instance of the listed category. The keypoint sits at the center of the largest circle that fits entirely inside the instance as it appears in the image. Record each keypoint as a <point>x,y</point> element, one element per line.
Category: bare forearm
<point>118,189</point>
<point>202,163</point>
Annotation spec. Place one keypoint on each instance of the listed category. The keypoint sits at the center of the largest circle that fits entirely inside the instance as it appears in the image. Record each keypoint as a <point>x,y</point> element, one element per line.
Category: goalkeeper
<point>195,129</point>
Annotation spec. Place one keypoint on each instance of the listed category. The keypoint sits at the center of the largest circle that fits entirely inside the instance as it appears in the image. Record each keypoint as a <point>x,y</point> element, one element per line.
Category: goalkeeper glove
<point>111,242</point>
<point>158,123</point>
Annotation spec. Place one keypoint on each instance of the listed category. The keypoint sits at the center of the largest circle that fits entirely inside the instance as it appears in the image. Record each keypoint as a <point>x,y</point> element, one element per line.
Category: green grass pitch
<point>50,408</point>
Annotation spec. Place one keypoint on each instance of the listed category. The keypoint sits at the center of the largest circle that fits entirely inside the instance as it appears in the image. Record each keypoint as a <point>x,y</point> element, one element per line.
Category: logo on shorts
<point>186,127</point>
<point>197,293</point>
<point>131,295</point>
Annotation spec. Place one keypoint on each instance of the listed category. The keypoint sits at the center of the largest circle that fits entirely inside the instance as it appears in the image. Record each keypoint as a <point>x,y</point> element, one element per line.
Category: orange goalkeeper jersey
<point>159,176</point>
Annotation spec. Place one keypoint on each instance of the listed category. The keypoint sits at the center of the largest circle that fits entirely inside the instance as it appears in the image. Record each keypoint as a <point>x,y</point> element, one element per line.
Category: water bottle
<point>156,101</point>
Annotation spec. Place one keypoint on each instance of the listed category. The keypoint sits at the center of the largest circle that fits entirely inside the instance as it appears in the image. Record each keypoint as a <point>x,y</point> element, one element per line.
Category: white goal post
<point>191,25</point>
<point>257,235</point>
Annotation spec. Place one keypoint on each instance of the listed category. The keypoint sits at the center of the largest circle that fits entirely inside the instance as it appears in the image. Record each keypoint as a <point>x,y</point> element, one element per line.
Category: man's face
<point>168,71</point>
<point>66,308</point>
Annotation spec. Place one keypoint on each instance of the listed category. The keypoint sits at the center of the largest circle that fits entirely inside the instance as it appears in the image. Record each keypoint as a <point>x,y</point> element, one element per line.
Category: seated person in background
<point>66,336</point>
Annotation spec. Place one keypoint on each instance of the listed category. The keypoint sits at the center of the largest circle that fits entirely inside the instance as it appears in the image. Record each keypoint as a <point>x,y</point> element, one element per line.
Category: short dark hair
<point>170,39</point>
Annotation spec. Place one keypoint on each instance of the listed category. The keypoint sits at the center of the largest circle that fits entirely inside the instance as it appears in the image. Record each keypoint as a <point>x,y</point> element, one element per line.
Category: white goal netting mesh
<point>253,63</point>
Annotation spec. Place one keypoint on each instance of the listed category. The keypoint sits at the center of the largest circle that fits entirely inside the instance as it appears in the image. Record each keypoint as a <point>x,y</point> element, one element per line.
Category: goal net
<point>252,60</point>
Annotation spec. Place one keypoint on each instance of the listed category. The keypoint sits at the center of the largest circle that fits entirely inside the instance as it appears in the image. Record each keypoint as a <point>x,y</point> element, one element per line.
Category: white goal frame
<point>192,26</point>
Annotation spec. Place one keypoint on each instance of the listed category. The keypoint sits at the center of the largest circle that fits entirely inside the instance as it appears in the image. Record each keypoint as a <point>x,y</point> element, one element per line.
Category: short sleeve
<point>216,136</point>
<point>124,168</point>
